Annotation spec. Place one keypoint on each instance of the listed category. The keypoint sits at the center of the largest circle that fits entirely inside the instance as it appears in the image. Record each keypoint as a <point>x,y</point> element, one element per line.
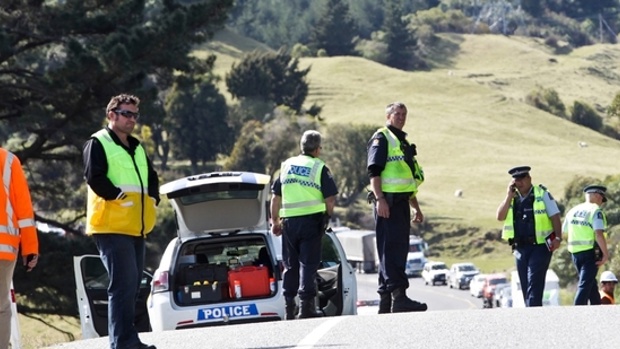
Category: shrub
<point>585,115</point>
<point>300,50</point>
<point>546,99</point>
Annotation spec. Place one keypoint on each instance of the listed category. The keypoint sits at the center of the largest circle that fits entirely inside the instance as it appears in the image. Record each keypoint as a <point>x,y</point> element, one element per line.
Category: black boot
<point>401,303</point>
<point>385,303</point>
<point>308,310</point>
<point>290,308</point>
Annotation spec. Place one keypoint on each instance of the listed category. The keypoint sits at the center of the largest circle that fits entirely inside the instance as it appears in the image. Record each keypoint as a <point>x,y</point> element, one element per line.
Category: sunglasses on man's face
<point>127,113</point>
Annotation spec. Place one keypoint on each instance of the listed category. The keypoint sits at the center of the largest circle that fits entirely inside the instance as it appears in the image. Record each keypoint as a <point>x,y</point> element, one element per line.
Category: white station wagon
<point>224,266</point>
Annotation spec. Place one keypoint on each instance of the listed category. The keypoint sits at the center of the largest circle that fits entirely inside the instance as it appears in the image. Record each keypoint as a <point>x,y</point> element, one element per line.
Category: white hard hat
<point>608,276</point>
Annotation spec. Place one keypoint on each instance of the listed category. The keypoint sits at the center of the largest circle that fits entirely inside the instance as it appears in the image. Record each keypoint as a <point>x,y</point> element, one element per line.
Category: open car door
<point>91,280</point>
<point>337,283</point>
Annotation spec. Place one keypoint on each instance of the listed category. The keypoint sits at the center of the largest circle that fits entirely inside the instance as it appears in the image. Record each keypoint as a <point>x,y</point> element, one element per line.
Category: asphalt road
<point>549,327</point>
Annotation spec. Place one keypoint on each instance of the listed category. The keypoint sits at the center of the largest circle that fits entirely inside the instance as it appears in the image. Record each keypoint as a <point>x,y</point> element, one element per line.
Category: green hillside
<point>468,118</point>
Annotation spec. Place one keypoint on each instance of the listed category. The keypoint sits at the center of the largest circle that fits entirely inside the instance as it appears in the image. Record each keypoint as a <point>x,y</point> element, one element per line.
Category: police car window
<point>220,195</point>
<point>329,254</point>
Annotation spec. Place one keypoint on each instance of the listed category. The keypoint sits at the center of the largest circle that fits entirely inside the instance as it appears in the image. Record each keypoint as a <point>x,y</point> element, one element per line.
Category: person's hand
<point>30,261</point>
<point>418,217</point>
<point>555,244</point>
<point>276,229</point>
<point>511,191</point>
<point>603,260</point>
<point>383,209</point>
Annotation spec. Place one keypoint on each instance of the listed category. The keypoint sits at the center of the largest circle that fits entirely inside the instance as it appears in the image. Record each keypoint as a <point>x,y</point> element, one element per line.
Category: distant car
<point>435,273</point>
<point>505,300</point>
<point>476,284</point>
<point>415,264</point>
<point>498,293</point>
<point>461,274</point>
<point>489,288</point>
<point>223,267</point>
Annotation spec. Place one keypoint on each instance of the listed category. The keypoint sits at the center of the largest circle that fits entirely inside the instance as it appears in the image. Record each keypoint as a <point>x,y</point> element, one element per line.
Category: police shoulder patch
<point>375,142</point>
<point>599,215</point>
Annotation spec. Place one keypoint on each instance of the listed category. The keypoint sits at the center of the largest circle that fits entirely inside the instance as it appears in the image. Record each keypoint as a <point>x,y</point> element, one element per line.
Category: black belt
<point>529,241</point>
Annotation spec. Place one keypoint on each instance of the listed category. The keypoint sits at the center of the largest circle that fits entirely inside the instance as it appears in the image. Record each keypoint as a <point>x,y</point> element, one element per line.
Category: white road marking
<point>313,337</point>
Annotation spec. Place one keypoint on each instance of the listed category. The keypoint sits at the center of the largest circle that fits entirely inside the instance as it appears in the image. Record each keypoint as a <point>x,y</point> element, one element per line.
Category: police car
<point>224,267</point>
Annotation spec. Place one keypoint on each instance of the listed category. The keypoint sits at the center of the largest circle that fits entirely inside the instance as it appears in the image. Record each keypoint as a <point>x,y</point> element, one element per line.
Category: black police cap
<point>519,171</point>
<point>598,189</point>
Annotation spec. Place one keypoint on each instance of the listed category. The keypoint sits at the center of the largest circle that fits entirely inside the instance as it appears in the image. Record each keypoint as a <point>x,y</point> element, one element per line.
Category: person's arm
<point>330,203</point>
<point>600,240</point>
<point>153,186</point>
<point>504,206</point>
<point>383,208</point>
<point>19,196</point>
<point>418,217</point>
<point>276,202</point>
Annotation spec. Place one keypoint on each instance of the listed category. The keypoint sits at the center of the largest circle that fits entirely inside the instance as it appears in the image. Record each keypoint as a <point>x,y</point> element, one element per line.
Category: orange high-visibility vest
<point>16,215</point>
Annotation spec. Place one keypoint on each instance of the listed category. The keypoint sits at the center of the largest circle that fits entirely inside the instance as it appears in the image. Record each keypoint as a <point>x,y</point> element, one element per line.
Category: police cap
<point>519,171</point>
<point>598,189</point>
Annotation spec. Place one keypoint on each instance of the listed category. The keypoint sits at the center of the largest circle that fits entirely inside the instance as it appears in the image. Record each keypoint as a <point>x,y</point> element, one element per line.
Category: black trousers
<point>301,252</point>
<point>393,244</point>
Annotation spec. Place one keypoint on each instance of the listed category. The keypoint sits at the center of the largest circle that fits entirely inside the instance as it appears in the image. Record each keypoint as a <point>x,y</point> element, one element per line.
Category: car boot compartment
<point>224,269</point>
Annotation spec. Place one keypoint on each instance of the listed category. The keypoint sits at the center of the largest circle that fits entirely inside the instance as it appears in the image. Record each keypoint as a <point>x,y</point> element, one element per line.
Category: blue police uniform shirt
<point>328,185</point>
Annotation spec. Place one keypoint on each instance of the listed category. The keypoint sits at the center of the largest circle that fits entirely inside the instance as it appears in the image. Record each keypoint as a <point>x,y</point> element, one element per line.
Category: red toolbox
<point>254,281</point>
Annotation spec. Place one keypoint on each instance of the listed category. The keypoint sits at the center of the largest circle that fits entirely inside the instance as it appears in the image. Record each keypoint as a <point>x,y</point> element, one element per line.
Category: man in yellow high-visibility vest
<point>584,226</point>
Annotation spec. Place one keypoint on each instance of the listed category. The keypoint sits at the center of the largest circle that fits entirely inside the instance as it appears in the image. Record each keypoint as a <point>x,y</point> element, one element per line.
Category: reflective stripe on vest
<point>10,228</point>
<point>542,223</point>
<point>581,235</point>
<point>396,177</point>
<point>300,177</point>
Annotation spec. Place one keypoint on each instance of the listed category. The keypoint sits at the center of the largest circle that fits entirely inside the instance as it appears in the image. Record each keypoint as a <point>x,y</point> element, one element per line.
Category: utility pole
<point>600,28</point>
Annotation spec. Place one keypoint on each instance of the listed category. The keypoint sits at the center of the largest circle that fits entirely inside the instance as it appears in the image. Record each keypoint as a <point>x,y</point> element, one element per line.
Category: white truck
<point>361,249</point>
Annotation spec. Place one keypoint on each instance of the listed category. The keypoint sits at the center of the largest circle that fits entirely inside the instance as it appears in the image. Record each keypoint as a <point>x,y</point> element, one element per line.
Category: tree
<point>265,145</point>
<point>401,43</point>
<point>197,121</point>
<point>60,62</point>
<point>63,60</point>
<point>335,30</point>
<point>345,150</point>
<point>614,107</point>
<point>273,77</point>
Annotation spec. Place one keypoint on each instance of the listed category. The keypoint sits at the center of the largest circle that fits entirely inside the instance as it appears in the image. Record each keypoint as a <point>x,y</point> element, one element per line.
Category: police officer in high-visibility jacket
<point>531,218</point>
<point>303,200</point>
<point>584,227</point>
<point>123,190</point>
<point>17,231</point>
<point>394,179</point>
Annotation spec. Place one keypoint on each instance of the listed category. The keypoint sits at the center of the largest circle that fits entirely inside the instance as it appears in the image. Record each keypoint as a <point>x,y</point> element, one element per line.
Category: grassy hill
<point>468,117</point>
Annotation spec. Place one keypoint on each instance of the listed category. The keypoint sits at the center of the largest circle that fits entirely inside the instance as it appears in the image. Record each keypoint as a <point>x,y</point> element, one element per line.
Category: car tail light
<point>160,281</point>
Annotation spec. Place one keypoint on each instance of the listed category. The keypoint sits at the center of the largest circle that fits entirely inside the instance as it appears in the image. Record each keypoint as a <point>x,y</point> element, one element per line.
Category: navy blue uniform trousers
<point>301,251</point>
<point>587,289</point>
<point>393,244</point>
<point>532,263</point>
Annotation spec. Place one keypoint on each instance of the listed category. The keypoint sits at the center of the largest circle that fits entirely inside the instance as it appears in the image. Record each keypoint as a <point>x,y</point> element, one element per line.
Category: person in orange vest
<point>17,231</point>
<point>608,284</point>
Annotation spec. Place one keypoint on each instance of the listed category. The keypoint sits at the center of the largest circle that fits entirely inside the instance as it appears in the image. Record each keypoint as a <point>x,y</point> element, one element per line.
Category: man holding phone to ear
<point>531,218</point>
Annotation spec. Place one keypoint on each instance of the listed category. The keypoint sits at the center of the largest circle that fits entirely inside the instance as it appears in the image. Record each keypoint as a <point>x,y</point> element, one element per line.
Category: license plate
<point>231,311</point>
